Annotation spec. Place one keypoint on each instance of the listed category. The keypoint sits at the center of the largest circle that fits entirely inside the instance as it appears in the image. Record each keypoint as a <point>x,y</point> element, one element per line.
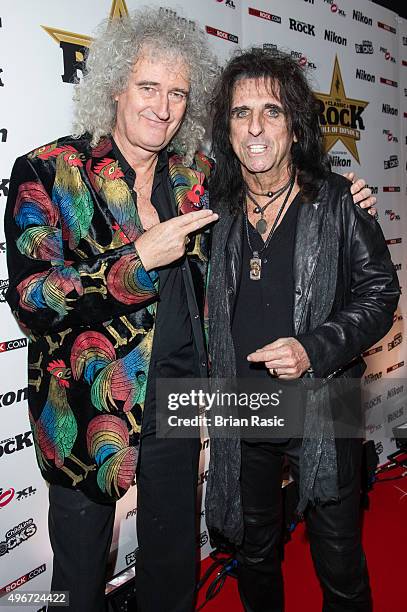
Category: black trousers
<point>81,532</point>
<point>333,531</point>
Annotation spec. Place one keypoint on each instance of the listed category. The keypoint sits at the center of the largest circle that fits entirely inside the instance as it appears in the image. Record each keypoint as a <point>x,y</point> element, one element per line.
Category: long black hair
<point>288,81</point>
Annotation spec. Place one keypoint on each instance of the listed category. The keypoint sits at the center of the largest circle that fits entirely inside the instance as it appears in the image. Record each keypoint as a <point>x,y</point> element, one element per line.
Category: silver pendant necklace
<point>255,260</point>
<point>261,224</point>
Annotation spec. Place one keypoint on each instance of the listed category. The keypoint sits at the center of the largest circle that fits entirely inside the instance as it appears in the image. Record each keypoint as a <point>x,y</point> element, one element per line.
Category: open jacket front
<point>367,288</point>
<point>346,291</point>
<point>80,291</point>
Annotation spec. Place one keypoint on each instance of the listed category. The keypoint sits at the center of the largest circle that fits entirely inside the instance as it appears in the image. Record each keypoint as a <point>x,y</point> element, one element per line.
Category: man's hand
<point>362,195</point>
<point>165,242</point>
<point>285,358</point>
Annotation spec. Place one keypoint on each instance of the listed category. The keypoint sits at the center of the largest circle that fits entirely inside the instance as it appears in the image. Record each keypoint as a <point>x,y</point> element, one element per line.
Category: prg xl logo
<point>6,496</point>
<point>390,137</point>
<point>335,8</point>
<point>228,3</point>
<point>302,60</point>
<point>387,55</point>
<point>340,117</point>
<point>392,215</point>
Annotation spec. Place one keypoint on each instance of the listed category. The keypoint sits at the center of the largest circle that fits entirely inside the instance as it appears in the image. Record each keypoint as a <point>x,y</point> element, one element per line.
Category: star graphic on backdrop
<point>337,98</point>
<point>118,10</point>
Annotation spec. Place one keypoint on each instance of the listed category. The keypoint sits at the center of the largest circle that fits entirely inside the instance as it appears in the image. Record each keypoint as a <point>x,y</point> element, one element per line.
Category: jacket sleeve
<point>372,301</point>
<point>47,293</point>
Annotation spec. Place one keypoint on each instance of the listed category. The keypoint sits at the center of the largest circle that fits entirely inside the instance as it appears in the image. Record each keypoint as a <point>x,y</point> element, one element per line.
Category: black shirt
<point>173,354</point>
<point>264,308</point>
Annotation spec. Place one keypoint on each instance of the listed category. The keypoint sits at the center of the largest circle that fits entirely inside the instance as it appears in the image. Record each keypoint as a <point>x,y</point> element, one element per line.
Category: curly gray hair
<point>111,58</point>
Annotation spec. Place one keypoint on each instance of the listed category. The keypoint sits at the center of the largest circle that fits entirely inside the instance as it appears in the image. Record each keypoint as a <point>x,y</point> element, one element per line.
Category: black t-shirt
<point>264,308</point>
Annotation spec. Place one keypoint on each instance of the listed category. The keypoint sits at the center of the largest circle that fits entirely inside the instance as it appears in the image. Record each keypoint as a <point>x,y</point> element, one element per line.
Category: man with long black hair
<point>301,284</point>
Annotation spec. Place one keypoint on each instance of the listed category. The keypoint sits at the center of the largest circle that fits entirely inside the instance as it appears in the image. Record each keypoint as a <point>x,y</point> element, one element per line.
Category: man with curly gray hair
<point>107,276</point>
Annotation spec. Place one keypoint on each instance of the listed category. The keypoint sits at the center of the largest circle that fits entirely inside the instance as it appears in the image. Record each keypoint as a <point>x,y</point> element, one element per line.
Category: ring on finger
<point>187,240</point>
<point>274,372</point>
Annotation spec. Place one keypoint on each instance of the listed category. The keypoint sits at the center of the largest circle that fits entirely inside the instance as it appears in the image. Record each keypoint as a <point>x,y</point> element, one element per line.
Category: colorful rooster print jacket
<point>79,290</point>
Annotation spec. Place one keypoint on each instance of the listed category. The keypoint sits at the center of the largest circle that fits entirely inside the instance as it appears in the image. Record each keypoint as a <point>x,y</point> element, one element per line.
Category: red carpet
<point>385,543</point>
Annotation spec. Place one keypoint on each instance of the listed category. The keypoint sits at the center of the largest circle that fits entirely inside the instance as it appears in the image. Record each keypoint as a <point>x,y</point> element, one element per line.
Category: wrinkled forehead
<point>154,58</point>
<point>256,87</point>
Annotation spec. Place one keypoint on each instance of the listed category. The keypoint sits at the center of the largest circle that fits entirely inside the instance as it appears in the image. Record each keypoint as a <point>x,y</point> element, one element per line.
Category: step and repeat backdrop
<point>355,54</point>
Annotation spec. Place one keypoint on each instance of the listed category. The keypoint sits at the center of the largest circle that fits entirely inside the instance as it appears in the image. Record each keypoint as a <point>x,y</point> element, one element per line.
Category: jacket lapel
<point>105,175</point>
<point>187,185</point>
<point>310,223</point>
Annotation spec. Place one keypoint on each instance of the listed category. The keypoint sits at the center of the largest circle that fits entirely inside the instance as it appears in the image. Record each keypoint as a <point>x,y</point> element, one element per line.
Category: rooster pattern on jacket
<point>80,292</point>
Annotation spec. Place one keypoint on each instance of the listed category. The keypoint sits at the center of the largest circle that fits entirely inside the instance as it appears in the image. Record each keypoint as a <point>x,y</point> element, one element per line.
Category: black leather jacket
<point>367,289</point>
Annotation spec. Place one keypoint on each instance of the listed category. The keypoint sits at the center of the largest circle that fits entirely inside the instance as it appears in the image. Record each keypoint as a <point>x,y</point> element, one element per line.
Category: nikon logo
<point>13,397</point>
<point>365,76</point>
<point>339,162</point>
<point>334,38</point>
<point>359,16</point>
<point>389,110</point>
<point>396,414</point>
<point>373,377</point>
<point>395,391</point>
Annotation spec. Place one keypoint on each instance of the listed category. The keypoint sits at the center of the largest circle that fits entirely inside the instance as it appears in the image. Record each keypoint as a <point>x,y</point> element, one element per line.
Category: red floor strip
<point>385,542</point>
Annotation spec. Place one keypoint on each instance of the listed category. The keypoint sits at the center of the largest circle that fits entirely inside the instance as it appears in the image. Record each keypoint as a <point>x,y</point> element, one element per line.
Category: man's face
<point>151,109</point>
<point>258,128</point>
